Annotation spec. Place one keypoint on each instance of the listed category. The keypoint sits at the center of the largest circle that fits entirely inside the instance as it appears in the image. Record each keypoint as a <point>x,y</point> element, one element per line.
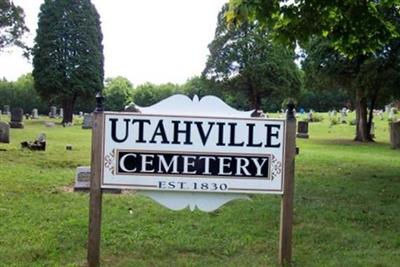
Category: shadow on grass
<point>348,142</point>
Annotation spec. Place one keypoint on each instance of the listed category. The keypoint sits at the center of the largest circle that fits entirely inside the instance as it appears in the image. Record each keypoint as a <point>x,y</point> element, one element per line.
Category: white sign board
<point>193,153</point>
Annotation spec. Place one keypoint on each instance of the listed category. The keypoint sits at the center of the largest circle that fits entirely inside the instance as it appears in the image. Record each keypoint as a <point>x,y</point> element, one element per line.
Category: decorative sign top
<point>193,153</point>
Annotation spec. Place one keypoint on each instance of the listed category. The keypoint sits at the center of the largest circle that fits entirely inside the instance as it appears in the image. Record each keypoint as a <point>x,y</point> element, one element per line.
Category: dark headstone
<point>395,135</point>
<point>53,112</point>
<point>4,132</point>
<point>17,115</point>
<point>302,129</point>
<point>6,110</point>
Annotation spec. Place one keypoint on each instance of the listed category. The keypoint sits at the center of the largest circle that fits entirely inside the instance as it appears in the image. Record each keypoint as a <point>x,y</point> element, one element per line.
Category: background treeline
<point>119,92</point>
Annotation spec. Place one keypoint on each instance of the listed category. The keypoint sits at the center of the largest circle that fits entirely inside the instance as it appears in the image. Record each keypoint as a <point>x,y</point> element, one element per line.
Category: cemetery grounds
<point>346,209</point>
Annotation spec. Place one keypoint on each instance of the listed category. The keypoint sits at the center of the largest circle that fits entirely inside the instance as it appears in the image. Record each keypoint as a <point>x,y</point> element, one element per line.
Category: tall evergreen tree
<point>68,53</point>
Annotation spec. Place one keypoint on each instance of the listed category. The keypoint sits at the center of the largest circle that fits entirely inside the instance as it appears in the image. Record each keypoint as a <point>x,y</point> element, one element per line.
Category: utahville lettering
<point>184,132</point>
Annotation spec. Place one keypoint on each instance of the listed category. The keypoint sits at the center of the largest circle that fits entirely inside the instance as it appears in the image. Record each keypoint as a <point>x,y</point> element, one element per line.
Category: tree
<point>68,53</point>
<point>355,30</point>
<point>12,24</point>
<point>148,94</point>
<point>244,58</point>
<point>117,93</point>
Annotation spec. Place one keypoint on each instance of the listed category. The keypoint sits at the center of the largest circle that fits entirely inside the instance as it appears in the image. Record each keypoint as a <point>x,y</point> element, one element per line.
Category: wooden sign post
<point>192,153</point>
<point>95,202</point>
<point>285,237</point>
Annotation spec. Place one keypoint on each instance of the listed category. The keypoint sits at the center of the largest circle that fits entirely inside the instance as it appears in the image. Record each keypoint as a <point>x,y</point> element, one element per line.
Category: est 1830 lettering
<point>200,186</point>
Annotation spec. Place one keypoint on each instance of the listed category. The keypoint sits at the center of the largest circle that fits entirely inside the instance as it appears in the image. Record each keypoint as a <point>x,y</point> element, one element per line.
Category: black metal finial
<point>290,110</point>
<point>99,102</point>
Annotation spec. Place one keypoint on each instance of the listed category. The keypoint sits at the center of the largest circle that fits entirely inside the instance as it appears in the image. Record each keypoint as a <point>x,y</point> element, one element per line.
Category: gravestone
<point>302,129</point>
<point>392,115</point>
<point>343,115</point>
<point>395,135</point>
<point>49,124</point>
<point>310,116</point>
<point>131,107</point>
<point>61,113</point>
<point>35,114</point>
<point>4,132</point>
<point>82,181</point>
<point>372,130</point>
<point>82,178</point>
<point>80,113</point>
<point>53,112</point>
<point>87,121</point>
<point>17,115</point>
<point>6,110</point>
<point>38,144</point>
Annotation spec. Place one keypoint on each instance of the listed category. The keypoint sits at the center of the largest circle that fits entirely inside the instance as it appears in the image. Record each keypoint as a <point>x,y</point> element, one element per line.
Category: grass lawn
<point>347,209</point>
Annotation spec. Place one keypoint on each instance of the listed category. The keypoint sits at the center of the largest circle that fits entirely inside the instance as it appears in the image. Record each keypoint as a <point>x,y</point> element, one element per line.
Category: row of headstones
<point>394,129</point>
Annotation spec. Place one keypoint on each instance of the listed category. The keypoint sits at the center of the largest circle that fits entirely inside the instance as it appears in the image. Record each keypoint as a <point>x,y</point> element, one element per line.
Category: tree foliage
<point>245,59</point>
<point>117,92</point>
<point>21,94</point>
<point>12,24</point>
<point>362,35</point>
<point>148,94</point>
<point>68,53</point>
<point>353,27</point>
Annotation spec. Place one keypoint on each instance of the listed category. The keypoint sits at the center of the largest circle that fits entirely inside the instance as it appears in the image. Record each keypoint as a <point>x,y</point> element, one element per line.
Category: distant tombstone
<point>343,115</point>
<point>35,114</point>
<point>82,181</point>
<point>80,113</point>
<point>391,116</point>
<point>302,129</point>
<point>381,115</point>
<point>53,112</point>
<point>4,132</point>
<point>49,124</point>
<point>372,130</point>
<point>61,113</point>
<point>82,178</point>
<point>131,107</point>
<point>310,115</point>
<point>395,135</point>
<point>38,144</point>
<point>17,115</point>
<point>27,116</point>
<point>387,108</point>
<point>87,121</point>
<point>6,110</point>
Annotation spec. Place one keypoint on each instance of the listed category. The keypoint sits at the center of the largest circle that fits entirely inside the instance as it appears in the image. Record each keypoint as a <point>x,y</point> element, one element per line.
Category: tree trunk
<point>362,130</point>
<point>68,106</point>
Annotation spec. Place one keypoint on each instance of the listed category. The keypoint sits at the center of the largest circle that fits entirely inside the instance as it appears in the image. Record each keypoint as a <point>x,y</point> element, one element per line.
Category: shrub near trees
<point>117,93</point>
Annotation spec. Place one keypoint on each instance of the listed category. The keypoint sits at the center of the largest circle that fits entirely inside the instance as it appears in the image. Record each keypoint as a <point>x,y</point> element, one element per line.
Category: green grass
<point>347,209</point>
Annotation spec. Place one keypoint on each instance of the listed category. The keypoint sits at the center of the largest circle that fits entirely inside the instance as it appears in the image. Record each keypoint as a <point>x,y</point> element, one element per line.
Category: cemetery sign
<point>193,153</point>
